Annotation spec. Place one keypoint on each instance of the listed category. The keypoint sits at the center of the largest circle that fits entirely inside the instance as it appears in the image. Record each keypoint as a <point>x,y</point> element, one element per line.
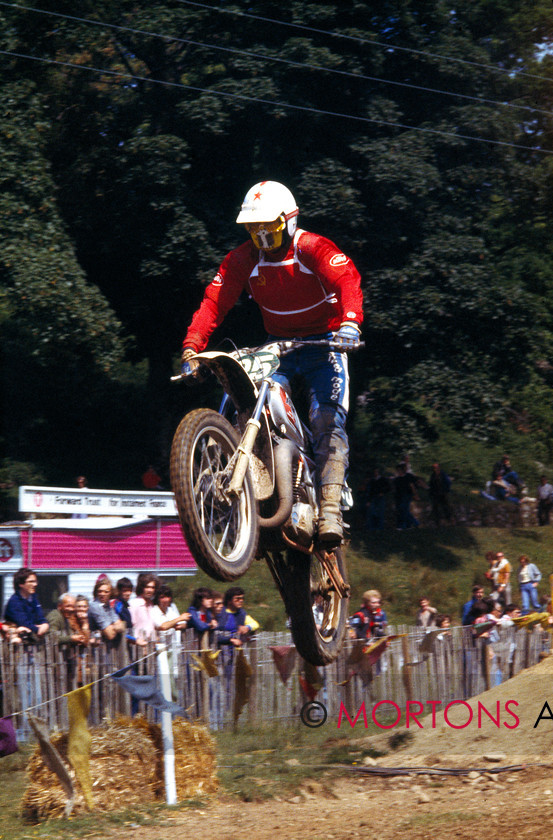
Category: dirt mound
<point>513,721</point>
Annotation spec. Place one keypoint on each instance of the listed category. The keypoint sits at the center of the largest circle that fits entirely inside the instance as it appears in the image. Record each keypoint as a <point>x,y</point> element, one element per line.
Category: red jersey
<point>311,289</point>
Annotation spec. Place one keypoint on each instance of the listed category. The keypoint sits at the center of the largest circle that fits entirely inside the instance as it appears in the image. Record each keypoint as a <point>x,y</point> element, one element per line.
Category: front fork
<point>247,443</point>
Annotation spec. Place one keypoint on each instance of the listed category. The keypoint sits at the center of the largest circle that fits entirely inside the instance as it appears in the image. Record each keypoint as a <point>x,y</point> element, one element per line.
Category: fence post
<point>527,637</point>
<point>204,713</point>
<point>252,698</point>
<point>407,675</point>
<point>348,693</point>
<point>486,651</point>
<point>167,727</point>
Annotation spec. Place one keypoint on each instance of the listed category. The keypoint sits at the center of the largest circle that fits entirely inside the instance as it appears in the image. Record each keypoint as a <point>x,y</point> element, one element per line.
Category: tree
<point>405,131</point>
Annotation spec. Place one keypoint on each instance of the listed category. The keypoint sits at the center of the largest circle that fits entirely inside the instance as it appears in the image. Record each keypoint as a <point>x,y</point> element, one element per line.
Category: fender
<point>243,394</point>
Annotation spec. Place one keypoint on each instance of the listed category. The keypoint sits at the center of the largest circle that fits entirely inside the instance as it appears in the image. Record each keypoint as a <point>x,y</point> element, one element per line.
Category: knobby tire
<point>300,578</point>
<point>221,534</point>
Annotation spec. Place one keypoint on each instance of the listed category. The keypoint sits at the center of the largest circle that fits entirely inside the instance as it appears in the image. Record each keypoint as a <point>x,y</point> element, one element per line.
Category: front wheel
<point>221,532</point>
<point>304,583</point>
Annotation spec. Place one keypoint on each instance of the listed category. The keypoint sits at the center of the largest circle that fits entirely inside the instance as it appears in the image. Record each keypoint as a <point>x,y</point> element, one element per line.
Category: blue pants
<point>326,374</point>
<point>529,595</point>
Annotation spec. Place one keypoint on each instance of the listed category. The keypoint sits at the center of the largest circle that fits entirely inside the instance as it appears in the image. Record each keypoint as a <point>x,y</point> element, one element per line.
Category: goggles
<point>267,236</point>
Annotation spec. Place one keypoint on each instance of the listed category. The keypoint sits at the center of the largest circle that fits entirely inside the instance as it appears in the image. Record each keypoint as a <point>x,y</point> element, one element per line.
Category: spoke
<point>219,519</point>
<point>224,537</point>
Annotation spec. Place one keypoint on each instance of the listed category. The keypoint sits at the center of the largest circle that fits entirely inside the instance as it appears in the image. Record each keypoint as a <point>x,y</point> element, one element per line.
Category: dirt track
<point>383,808</point>
<point>380,809</point>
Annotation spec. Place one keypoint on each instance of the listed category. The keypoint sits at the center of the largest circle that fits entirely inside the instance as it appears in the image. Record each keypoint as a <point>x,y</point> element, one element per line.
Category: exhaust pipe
<point>285,453</point>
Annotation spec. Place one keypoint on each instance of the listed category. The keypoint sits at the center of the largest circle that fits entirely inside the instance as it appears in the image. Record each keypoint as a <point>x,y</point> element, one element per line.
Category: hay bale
<point>195,758</point>
<point>126,767</point>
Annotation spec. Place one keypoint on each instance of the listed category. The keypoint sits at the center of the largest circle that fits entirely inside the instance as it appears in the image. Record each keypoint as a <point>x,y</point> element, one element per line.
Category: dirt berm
<point>514,719</point>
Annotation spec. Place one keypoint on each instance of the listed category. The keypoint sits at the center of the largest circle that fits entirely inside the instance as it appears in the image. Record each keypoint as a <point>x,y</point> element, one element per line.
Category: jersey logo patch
<point>338,259</point>
<point>217,280</point>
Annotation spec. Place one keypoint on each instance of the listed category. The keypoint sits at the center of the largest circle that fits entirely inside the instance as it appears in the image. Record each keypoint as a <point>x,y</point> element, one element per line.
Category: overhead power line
<point>275,103</point>
<point>279,59</point>
<point>370,41</point>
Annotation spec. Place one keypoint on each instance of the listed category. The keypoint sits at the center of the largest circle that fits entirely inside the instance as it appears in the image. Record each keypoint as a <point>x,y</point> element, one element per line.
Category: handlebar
<point>285,346</point>
<point>288,345</point>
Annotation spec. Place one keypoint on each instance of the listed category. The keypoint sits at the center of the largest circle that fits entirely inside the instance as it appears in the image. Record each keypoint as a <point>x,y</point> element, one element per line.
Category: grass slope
<point>441,563</point>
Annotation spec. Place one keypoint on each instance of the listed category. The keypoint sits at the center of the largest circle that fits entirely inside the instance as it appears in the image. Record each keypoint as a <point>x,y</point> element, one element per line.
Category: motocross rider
<point>306,288</point>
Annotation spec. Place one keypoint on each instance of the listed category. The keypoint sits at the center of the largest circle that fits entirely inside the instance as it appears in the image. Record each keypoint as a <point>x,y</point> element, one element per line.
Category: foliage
<point>411,133</point>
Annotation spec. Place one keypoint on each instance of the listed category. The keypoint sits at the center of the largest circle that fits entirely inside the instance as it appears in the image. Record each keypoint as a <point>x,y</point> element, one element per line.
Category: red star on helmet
<point>257,195</point>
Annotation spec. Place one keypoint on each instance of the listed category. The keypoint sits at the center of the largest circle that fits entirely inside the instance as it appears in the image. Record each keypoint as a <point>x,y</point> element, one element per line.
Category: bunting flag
<point>8,740</point>
<point>284,657</point>
<point>310,682</point>
<point>78,742</point>
<point>242,675</point>
<point>427,645</point>
<point>358,664</point>
<point>53,760</point>
<point>362,657</point>
<point>207,662</point>
<point>530,620</point>
<point>145,689</point>
<point>376,649</point>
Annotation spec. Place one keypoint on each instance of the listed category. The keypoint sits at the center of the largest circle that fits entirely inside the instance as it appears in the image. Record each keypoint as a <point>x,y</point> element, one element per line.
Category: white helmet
<point>269,202</point>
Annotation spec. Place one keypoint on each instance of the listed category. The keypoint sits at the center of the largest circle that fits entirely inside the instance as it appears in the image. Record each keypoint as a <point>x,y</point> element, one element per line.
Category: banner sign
<point>96,502</point>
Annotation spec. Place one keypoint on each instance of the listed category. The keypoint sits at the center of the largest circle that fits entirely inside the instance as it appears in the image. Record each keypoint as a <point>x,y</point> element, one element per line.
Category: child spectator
<point>233,627</point>
<point>370,621</point>
<point>201,615</point>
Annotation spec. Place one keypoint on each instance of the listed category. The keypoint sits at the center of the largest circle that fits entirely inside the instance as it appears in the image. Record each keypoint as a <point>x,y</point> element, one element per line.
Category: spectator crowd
<point>135,617</point>
<point>387,497</point>
<point>115,613</point>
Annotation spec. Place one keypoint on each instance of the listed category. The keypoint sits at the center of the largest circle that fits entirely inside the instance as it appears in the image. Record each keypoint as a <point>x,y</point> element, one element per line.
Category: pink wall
<point>134,547</point>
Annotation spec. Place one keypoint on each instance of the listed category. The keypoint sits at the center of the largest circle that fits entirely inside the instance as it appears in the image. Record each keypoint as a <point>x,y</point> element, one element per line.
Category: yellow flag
<point>528,621</point>
<point>207,662</point>
<point>78,745</point>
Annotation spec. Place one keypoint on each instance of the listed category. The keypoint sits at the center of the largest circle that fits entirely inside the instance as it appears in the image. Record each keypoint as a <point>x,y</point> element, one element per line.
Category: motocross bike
<point>244,485</point>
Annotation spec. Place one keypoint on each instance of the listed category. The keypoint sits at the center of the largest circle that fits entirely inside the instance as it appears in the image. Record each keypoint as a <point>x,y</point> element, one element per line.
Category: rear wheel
<point>303,580</point>
<point>221,532</point>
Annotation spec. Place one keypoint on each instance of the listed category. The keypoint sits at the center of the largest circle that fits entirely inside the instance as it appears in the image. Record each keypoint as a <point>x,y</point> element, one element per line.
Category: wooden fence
<point>415,666</point>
